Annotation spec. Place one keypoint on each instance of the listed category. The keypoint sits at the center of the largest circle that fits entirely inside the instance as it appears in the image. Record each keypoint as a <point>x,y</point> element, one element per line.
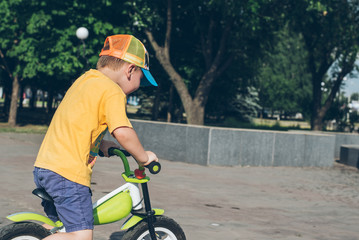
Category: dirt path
<point>258,203</point>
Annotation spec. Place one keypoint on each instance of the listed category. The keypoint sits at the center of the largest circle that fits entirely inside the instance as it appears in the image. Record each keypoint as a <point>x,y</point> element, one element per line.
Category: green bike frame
<point>113,207</point>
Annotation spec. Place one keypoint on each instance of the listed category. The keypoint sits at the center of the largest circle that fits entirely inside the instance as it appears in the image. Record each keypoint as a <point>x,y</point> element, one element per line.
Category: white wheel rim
<point>161,231</point>
<point>25,238</point>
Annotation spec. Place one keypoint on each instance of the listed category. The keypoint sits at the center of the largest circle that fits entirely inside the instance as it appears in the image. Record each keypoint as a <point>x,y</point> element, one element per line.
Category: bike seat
<point>41,193</point>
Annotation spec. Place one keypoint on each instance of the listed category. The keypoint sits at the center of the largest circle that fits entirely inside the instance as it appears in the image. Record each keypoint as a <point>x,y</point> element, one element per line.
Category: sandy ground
<point>210,202</point>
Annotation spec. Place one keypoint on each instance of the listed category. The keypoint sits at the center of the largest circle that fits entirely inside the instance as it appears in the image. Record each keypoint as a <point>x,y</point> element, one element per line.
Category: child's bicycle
<point>126,200</point>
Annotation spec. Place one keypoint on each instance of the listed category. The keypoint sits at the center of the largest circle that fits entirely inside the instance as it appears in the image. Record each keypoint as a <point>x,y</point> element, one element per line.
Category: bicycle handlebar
<point>112,152</point>
<point>153,167</point>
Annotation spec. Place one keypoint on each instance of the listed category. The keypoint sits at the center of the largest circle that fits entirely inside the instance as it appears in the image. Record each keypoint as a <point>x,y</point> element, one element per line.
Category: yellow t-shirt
<point>93,104</point>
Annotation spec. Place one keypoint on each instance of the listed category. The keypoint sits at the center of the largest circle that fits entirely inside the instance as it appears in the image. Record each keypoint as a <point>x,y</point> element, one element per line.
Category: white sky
<point>350,86</point>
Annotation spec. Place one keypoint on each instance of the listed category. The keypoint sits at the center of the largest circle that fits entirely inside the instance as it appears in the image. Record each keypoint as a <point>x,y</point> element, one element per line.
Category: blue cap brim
<point>149,81</point>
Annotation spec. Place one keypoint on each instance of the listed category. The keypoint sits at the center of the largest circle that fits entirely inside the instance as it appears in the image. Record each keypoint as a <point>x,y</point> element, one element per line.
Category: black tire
<point>163,226</point>
<point>23,231</point>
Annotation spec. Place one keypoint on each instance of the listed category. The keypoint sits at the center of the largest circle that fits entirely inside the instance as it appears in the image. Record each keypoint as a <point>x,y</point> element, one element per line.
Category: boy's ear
<point>130,70</point>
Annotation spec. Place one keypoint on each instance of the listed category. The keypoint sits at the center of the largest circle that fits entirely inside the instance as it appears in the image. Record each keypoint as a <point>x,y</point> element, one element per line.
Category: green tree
<point>339,111</point>
<point>284,82</point>
<point>354,97</point>
<point>330,30</point>
<point>15,50</point>
<point>38,41</point>
<point>245,105</point>
<point>197,41</point>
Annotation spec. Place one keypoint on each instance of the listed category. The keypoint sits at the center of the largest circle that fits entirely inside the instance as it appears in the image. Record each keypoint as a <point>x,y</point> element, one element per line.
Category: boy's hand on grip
<point>152,157</point>
<point>105,146</point>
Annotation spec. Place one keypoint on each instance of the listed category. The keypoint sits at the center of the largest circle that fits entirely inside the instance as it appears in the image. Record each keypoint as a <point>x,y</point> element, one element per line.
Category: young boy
<point>96,102</point>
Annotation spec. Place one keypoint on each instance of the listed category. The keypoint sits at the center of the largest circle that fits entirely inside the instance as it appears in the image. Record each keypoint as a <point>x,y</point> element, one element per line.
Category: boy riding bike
<point>95,103</point>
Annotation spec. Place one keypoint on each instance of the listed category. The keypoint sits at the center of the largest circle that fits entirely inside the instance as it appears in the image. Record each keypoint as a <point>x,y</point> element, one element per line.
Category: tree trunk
<point>33,99</point>
<point>317,124</point>
<point>179,114</point>
<point>319,110</point>
<point>170,105</point>
<point>196,114</point>
<point>43,100</point>
<point>7,100</point>
<point>216,63</point>
<point>21,101</point>
<point>13,104</point>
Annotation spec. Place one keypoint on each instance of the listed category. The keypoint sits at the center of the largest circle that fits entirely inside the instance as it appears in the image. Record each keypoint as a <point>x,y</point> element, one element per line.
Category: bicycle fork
<point>149,212</point>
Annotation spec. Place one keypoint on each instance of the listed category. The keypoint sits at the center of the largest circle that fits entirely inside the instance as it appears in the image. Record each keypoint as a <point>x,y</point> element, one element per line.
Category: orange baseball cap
<point>129,49</point>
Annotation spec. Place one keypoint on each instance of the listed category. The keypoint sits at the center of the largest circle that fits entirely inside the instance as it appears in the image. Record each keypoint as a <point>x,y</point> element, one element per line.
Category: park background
<point>265,64</point>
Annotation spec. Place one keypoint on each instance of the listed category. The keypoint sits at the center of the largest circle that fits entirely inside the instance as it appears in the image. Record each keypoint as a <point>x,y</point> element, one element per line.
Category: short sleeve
<point>114,110</point>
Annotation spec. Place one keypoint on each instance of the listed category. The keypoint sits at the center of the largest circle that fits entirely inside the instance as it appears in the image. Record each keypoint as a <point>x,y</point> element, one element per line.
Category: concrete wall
<point>344,139</point>
<point>340,140</point>
<point>269,148</point>
<point>230,147</point>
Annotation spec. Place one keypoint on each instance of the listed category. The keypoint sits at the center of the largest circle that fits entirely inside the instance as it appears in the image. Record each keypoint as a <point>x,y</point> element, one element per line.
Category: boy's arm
<point>128,139</point>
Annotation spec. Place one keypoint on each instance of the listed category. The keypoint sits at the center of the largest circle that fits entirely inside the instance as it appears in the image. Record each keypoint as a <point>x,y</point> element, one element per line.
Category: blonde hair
<point>113,63</point>
<point>110,62</point>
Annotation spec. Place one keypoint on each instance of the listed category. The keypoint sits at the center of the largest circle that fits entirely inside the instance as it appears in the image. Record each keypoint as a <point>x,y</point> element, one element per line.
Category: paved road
<point>258,203</point>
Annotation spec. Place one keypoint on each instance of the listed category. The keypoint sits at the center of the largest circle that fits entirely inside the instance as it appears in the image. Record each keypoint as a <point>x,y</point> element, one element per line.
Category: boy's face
<point>136,78</point>
<point>131,78</point>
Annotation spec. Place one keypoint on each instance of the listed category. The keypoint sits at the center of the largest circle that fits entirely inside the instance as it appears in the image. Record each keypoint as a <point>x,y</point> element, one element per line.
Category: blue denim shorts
<point>72,201</point>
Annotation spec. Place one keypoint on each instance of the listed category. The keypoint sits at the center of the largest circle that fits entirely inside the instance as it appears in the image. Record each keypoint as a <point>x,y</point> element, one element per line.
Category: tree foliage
<point>209,50</point>
<point>284,80</point>
<point>38,41</point>
<point>208,38</point>
<point>245,104</point>
<point>330,29</point>
<point>354,97</point>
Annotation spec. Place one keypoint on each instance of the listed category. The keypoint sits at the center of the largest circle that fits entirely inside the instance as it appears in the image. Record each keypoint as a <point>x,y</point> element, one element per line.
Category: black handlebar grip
<point>154,167</point>
<point>111,152</point>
